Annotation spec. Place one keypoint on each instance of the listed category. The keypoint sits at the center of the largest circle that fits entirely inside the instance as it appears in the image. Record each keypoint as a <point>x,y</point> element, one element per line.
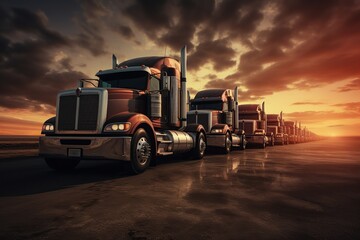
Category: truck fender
<point>51,120</point>
<point>224,127</point>
<point>194,129</point>
<point>136,120</point>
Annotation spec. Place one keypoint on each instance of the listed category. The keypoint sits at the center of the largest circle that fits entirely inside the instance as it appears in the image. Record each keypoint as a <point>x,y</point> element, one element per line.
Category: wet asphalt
<point>303,191</point>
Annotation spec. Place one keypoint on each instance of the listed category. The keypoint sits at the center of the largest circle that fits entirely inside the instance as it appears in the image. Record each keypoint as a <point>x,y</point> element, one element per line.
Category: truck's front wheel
<point>228,143</point>
<point>60,164</point>
<point>141,151</point>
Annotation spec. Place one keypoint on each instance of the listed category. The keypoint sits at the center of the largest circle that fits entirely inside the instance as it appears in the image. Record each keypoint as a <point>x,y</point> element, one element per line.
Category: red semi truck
<point>136,112</point>
<point>252,120</point>
<point>291,130</point>
<point>217,111</point>
<point>276,125</point>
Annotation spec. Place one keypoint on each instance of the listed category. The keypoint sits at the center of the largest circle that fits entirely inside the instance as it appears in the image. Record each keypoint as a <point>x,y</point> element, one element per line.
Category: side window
<point>154,84</point>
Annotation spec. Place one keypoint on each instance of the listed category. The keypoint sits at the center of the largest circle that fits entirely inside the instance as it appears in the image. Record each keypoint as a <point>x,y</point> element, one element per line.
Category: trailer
<point>217,111</point>
<point>135,113</point>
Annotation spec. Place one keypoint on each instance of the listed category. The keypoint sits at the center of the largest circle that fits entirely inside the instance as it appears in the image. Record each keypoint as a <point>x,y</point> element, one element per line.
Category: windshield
<point>129,80</point>
<point>218,105</point>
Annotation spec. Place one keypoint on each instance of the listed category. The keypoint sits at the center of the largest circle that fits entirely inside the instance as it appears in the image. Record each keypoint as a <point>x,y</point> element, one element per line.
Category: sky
<point>300,57</point>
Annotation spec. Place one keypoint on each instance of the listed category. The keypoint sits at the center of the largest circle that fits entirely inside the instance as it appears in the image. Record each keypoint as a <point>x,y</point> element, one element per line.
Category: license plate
<point>74,152</point>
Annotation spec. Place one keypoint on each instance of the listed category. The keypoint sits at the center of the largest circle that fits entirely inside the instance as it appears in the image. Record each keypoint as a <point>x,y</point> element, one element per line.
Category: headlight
<point>48,128</point>
<point>117,127</point>
<point>216,130</point>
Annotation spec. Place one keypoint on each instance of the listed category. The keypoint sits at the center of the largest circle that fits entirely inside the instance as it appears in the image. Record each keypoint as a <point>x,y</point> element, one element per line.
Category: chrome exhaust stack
<point>183,93</point>
<point>114,61</point>
<point>236,93</point>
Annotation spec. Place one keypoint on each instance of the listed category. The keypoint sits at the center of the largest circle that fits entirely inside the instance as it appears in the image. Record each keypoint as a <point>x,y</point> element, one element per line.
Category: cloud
<point>221,55</point>
<point>349,106</point>
<point>338,125</point>
<point>320,116</point>
<point>354,85</point>
<point>307,46</point>
<point>307,103</point>
<point>28,46</point>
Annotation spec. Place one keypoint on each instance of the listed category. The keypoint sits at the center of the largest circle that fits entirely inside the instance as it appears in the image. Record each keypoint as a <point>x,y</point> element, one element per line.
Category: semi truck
<point>252,120</point>
<point>217,111</point>
<point>276,124</point>
<point>291,130</point>
<point>136,112</point>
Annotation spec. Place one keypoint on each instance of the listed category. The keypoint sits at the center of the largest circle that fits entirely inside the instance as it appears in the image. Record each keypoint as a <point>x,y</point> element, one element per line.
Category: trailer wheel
<point>228,143</point>
<point>61,164</point>
<point>141,151</point>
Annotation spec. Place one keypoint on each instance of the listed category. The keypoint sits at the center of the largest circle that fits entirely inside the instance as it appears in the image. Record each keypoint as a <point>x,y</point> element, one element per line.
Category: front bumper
<point>279,140</point>
<point>116,148</point>
<point>215,140</point>
<point>255,139</point>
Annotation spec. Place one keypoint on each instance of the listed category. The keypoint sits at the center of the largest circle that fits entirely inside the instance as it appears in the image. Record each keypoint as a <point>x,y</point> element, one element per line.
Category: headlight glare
<point>216,130</point>
<point>47,128</point>
<point>117,127</point>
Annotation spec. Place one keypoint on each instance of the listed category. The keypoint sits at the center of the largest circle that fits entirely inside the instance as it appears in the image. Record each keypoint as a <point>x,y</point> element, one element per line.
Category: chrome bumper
<point>215,140</point>
<point>117,148</point>
<point>255,139</point>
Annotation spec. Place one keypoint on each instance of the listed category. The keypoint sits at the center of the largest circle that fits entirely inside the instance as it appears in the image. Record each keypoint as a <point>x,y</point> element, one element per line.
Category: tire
<point>199,151</point>
<point>263,145</point>
<point>243,143</point>
<point>141,152</point>
<point>62,164</point>
<point>228,143</point>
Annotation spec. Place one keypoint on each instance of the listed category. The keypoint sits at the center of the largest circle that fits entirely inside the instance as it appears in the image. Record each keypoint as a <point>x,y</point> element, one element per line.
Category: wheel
<point>62,164</point>
<point>243,143</point>
<point>263,144</point>
<point>200,147</point>
<point>141,152</point>
<point>228,143</point>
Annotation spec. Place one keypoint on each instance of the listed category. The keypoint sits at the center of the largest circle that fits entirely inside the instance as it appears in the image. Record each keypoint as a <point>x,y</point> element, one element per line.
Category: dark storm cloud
<point>170,23</point>
<point>217,52</point>
<point>354,85</point>
<point>27,53</point>
<point>309,45</point>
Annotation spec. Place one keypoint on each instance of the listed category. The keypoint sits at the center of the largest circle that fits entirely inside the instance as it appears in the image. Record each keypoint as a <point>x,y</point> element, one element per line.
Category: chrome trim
<point>102,109</point>
<point>116,148</point>
<point>77,113</point>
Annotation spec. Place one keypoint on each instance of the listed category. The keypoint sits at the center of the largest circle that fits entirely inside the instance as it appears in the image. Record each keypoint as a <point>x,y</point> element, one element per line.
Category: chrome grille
<point>88,112</point>
<point>78,113</point>
<point>67,113</point>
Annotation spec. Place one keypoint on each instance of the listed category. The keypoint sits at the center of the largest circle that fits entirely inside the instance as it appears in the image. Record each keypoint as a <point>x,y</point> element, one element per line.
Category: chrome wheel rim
<point>143,151</point>
<point>202,146</point>
<point>228,142</point>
